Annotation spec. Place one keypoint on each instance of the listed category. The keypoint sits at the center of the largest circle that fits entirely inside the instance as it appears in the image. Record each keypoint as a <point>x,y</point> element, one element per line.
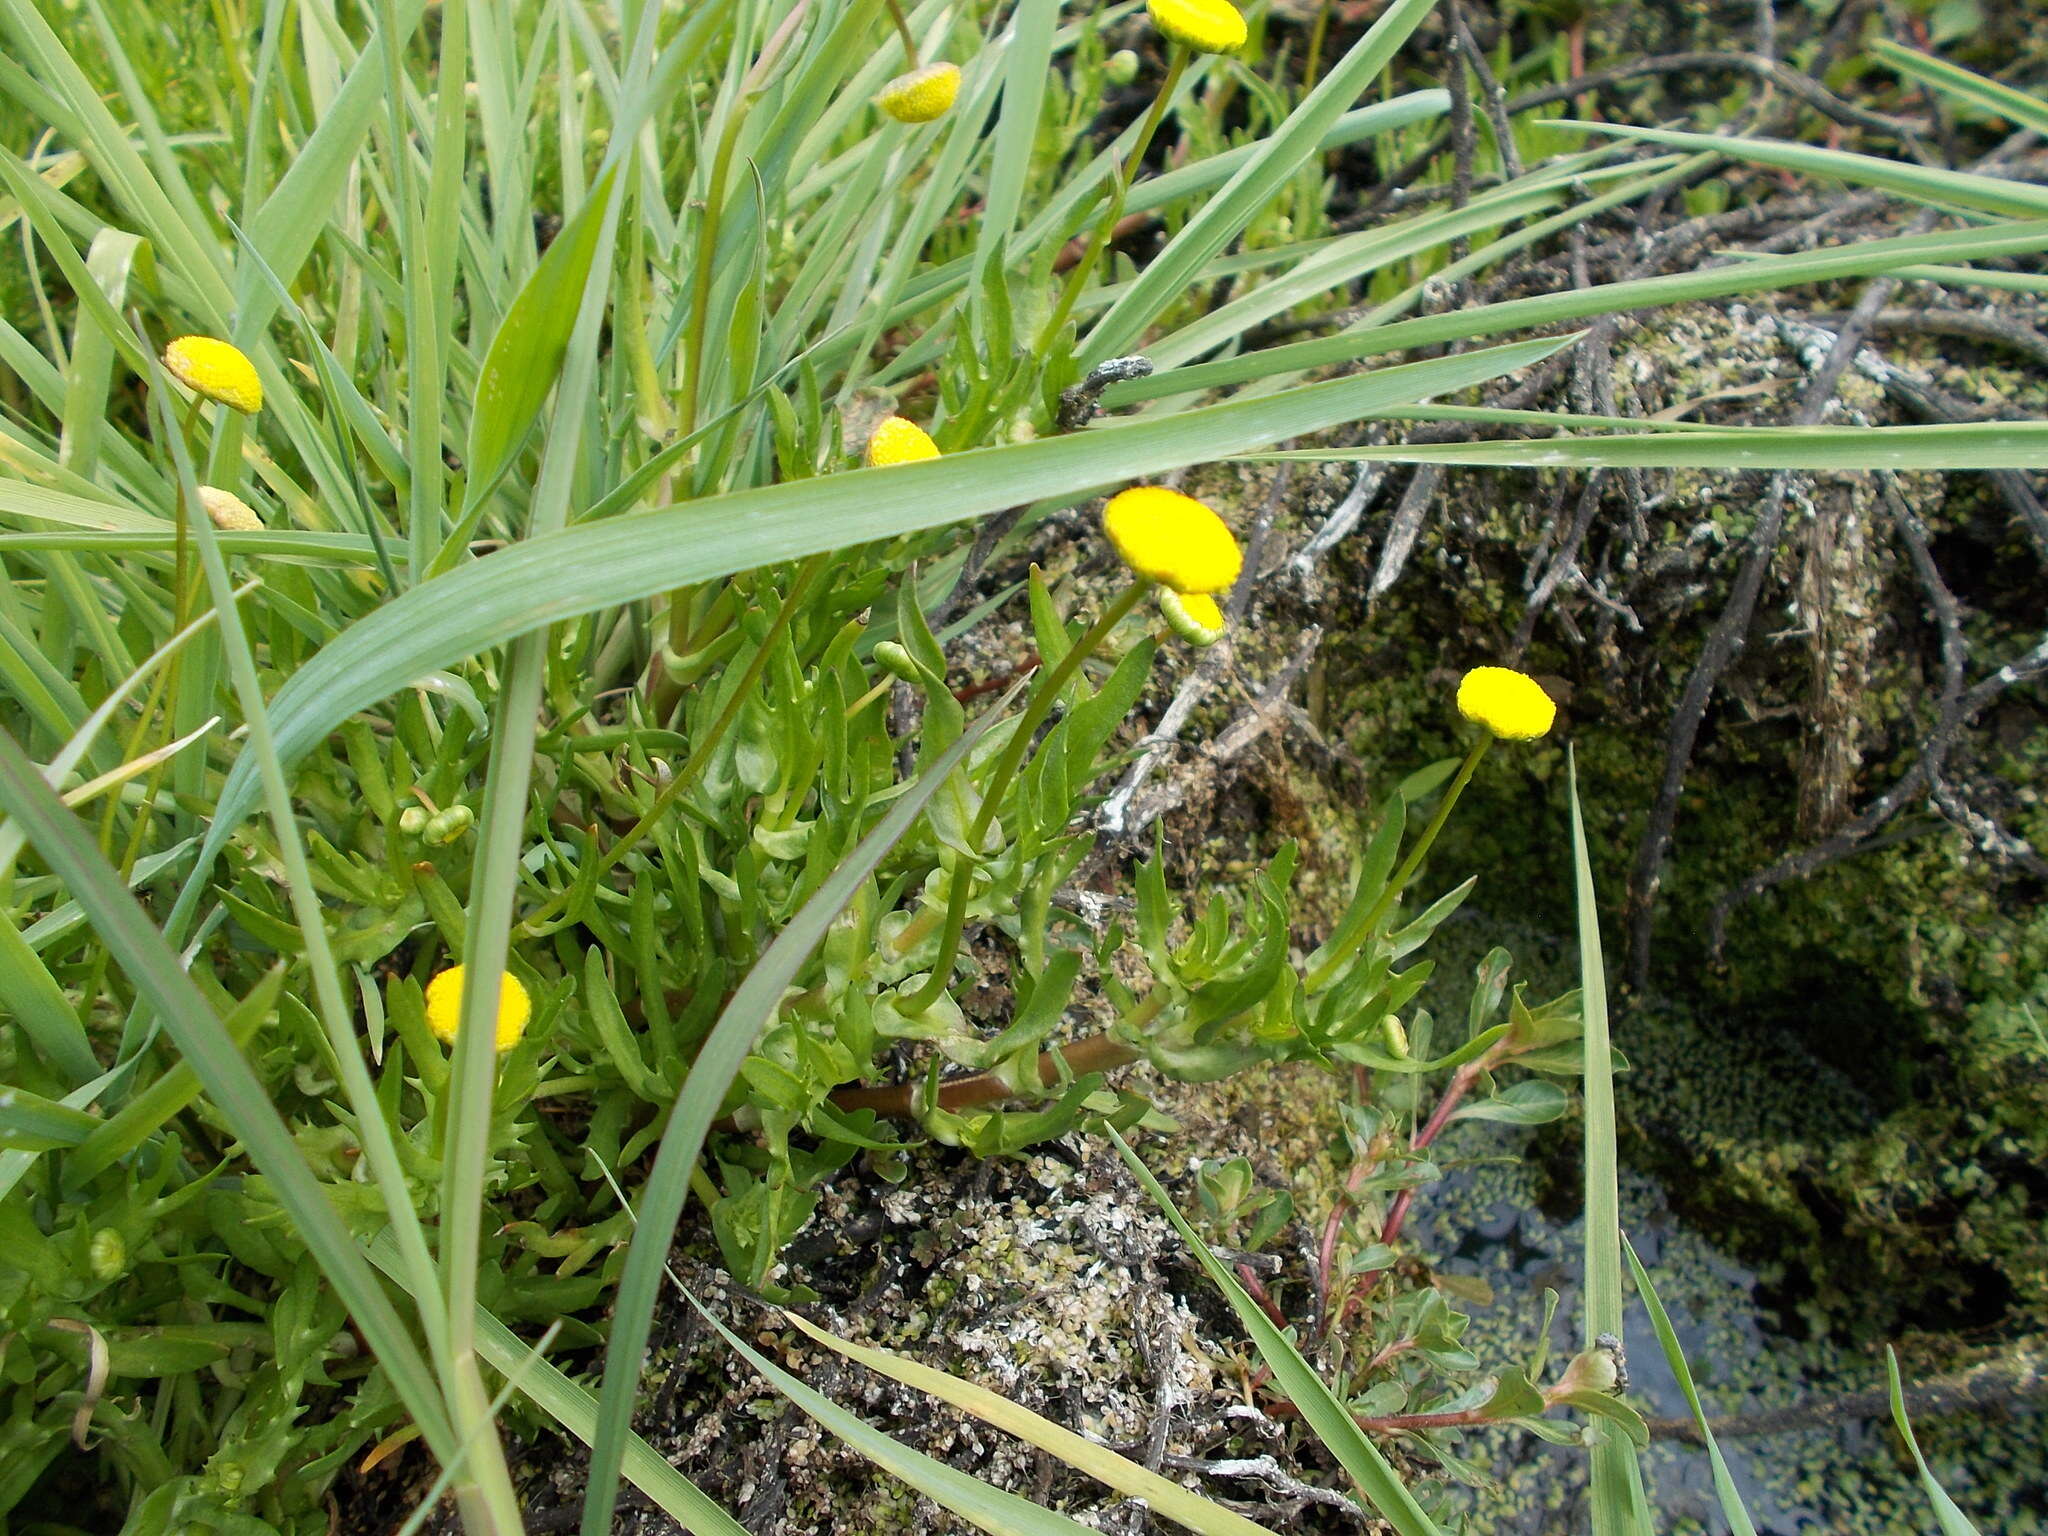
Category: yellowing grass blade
<point>1161,1495</point>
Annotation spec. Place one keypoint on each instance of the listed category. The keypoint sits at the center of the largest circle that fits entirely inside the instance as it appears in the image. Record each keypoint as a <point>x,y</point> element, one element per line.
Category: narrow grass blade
<point>146,1114</point>
<point>1224,217</point>
<point>574,1407</point>
<point>40,1007</point>
<point>1765,274</point>
<point>1161,1495</point>
<point>1660,1320</point>
<point>2016,107</point>
<point>1953,1521</point>
<point>31,1123</point>
<point>154,967</point>
<point>1320,1409</point>
<point>1922,183</point>
<point>527,351</point>
<point>1944,445</point>
<point>993,1509</point>
<point>711,1074</point>
<point>623,559</point>
<point>1026,65</point>
<point>1619,1506</point>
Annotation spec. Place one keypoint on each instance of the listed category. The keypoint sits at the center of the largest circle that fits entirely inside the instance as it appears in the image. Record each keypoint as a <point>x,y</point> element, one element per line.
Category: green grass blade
<point>711,1074</point>
<point>2016,107</point>
<point>1255,183</point>
<point>154,968</point>
<point>31,994</point>
<point>145,1114</point>
<point>1161,1495</point>
<point>31,1123</point>
<point>1025,68</point>
<point>1765,274</point>
<point>1320,1408</point>
<point>1660,1320</point>
<point>1619,1506</point>
<point>1953,1521</point>
<point>994,1510</point>
<point>574,1407</point>
<point>601,565</point>
<point>1943,445</point>
<point>1922,183</point>
<point>527,351</point>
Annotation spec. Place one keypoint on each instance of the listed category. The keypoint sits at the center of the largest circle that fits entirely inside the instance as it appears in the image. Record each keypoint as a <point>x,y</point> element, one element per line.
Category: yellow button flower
<point>1193,616</point>
<point>444,1007</point>
<point>217,370</point>
<point>230,514</point>
<point>899,440</point>
<point>1173,539</point>
<point>1508,703</point>
<point>1206,26</point>
<point>921,95</point>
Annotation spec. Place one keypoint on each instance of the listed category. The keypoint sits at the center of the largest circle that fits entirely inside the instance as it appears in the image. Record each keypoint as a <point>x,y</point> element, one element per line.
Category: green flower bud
<point>1395,1036</point>
<point>107,1255</point>
<point>897,662</point>
<point>413,820</point>
<point>444,827</point>
<point>1121,68</point>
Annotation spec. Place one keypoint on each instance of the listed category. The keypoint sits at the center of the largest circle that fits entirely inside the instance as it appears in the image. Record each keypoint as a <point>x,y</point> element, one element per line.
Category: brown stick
<point>1098,1053</point>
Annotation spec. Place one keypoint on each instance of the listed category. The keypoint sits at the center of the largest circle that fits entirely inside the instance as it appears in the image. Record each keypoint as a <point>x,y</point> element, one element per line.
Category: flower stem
<point>1098,237</point>
<point>903,31</point>
<point>1050,684</point>
<point>1327,971</point>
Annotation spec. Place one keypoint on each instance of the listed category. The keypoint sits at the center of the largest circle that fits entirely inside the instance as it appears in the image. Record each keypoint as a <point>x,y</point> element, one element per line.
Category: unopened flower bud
<point>1395,1036</point>
<point>445,826</point>
<point>896,661</point>
<point>412,821</point>
<point>107,1255</point>
<point>1121,67</point>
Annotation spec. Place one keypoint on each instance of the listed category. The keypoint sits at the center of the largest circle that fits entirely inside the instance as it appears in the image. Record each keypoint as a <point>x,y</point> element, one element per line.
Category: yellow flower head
<point>217,370</point>
<point>899,440</point>
<point>444,1007</point>
<point>1193,616</point>
<point>1173,539</point>
<point>1206,26</point>
<point>1508,703</point>
<point>921,95</point>
<point>230,514</point>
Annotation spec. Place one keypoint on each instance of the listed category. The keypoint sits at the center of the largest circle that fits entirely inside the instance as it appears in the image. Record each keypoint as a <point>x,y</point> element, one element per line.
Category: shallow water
<point>1844,1480</point>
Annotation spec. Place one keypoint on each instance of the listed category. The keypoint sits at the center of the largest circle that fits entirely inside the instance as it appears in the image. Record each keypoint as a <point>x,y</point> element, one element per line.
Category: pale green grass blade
<point>1952,1520</point>
<point>40,1008</point>
<point>124,171</point>
<point>1660,1320</point>
<point>1255,183</point>
<point>1941,446</point>
<point>718,1061</point>
<point>1921,183</point>
<point>1320,1408</point>
<point>1619,1507</point>
<point>113,257</point>
<point>527,351</point>
<point>601,565</point>
<point>31,1123</point>
<point>145,1114</point>
<point>1977,277</point>
<point>1161,1495</point>
<point>993,1509</point>
<point>1028,61</point>
<point>574,1407</point>
<point>333,549</point>
<point>1765,274</point>
<point>2016,107</point>
<point>156,971</point>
